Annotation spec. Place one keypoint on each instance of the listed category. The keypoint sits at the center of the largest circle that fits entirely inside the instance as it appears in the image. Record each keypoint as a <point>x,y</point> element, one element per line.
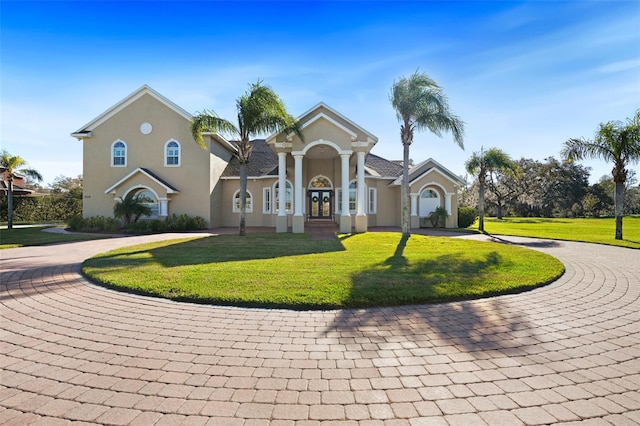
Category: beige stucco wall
<point>191,178</point>
<point>438,181</point>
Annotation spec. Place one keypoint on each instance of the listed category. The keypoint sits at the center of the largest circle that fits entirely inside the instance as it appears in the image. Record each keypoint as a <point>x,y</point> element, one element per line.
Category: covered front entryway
<point>320,204</point>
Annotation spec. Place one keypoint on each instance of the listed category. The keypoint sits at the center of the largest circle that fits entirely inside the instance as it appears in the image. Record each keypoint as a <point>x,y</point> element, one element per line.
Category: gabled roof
<point>317,116</point>
<point>148,173</point>
<point>85,131</point>
<point>416,172</point>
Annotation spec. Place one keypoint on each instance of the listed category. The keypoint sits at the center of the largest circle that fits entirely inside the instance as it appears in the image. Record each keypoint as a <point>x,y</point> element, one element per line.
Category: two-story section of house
<point>143,144</point>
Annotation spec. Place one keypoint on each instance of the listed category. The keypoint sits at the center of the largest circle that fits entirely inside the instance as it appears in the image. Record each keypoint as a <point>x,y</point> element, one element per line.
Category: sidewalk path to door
<point>75,353</point>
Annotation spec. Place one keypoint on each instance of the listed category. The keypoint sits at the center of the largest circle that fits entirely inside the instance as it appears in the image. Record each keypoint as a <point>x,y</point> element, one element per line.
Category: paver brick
<point>73,352</point>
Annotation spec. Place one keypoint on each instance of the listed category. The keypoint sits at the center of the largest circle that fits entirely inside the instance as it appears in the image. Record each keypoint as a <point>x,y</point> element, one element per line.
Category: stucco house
<point>144,144</point>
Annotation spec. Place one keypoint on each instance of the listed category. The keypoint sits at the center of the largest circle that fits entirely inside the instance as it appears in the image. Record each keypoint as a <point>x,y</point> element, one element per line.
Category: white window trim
<point>235,209</point>
<point>373,196</point>
<point>166,157</point>
<point>339,199</point>
<point>125,154</point>
<point>267,200</point>
<point>276,198</point>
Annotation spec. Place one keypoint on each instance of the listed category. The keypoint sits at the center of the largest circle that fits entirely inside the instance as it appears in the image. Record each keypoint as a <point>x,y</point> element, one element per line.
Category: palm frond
<point>208,121</point>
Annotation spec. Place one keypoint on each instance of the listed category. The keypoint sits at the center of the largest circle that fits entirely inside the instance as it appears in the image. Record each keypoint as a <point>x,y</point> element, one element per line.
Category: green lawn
<point>291,270</point>
<point>600,230</point>
<point>19,237</point>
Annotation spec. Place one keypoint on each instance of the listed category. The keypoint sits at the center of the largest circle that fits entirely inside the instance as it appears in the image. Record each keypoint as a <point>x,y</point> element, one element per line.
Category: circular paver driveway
<point>74,352</point>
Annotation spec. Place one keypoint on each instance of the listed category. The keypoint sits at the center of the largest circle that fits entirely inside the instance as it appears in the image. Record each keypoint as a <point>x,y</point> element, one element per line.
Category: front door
<point>320,204</point>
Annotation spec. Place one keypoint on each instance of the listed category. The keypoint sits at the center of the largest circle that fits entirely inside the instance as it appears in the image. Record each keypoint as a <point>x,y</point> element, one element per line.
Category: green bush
<point>466,216</point>
<point>41,209</point>
<point>94,224</point>
<point>107,224</point>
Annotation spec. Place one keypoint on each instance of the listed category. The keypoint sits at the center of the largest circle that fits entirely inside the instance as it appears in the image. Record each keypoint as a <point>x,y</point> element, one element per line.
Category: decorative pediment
<point>149,175</point>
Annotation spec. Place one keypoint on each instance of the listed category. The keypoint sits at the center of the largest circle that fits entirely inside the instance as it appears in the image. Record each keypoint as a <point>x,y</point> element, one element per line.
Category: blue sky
<point>524,76</point>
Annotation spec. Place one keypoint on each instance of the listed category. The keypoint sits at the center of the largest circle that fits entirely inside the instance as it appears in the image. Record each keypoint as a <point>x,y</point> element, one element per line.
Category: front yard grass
<point>591,230</point>
<point>34,236</point>
<point>293,271</point>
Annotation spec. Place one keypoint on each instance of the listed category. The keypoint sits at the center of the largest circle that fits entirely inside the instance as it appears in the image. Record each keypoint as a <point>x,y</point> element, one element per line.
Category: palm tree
<point>13,166</point>
<point>615,142</point>
<point>420,104</point>
<point>483,163</point>
<point>131,208</point>
<point>260,110</point>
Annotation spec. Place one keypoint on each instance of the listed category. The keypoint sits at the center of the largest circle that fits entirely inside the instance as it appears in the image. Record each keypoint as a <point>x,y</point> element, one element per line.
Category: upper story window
<point>172,153</point>
<point>118,154</point>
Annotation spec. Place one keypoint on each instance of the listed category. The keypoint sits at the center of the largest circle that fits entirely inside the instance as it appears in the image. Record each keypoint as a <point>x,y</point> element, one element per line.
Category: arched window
<point>119,154</point>
<point>172,153</point>
<point>320,182</point>
<point>353,198</point>
<point>236,202</point>
<point>288,194</point>
<point>429,201</point>
<point>150,200</point>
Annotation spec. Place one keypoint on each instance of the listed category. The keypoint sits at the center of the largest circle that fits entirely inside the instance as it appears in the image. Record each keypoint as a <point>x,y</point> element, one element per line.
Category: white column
<point>297,195</point>
<point>360,179</point>
<point>163,207</point>
<point>345,184</point>
<point>414,204</point>
<point>447,202</point>
<point>281,220</point>
<point>282,182</point>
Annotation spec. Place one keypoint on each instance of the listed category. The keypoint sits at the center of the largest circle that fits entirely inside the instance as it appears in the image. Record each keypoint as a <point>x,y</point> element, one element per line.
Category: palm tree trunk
<point>10,203</point>
<point>406,226</point>
<point>243,199</point>
<point>619,201</point>
<point>481,205</point>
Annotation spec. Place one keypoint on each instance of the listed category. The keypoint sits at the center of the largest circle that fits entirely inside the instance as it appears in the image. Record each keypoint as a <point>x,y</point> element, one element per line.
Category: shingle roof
<point>383,166</point>
<point>159,179</point>
<point>264,162</point>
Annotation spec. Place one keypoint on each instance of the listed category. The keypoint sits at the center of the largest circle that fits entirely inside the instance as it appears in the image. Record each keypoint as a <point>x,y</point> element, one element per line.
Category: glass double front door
<point>320,204</point>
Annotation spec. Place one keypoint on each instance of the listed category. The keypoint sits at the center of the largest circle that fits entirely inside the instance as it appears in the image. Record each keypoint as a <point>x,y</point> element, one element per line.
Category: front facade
<point>144,144</point>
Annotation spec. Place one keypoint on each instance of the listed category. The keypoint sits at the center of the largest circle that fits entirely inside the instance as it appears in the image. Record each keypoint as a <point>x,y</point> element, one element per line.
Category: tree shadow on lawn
<point>224,248</point>
<point>472,325</point>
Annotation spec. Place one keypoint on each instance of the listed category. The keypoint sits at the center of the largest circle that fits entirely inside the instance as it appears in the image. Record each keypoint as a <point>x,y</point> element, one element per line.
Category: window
<point>288,200</point>
<point>236,202</point>
<point>172,154</point>
<point>320,182</point>
<point>373,200</point>
<point>119,154</point>
<point>151,201</point>
<point>352,196</point>
<point>266,200</point>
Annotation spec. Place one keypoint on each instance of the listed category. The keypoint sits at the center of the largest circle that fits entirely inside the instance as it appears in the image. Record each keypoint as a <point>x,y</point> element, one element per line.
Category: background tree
<point>482,164</point>
<point>421,104</point>
<point>15,165</point>
<point>615,142</point>
<point>69,187</point>
<point>260,111</point>
<point>131,208</point>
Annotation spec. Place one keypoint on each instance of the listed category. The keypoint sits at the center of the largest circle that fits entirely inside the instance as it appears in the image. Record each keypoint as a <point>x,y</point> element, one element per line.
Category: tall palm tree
<point>482,164</point>
<point>615,142</point>
<point>421,104</point>
<point>14,165</point>
<point>260,110</point>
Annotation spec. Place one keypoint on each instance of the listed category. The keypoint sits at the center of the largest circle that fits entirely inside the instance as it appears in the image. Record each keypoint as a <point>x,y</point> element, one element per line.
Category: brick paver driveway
<point>74,352</point>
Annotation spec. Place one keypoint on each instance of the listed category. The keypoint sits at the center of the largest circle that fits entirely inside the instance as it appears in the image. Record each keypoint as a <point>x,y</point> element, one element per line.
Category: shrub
<point>466,216</point>
<point>438,216</point>
<point>93,224</point>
